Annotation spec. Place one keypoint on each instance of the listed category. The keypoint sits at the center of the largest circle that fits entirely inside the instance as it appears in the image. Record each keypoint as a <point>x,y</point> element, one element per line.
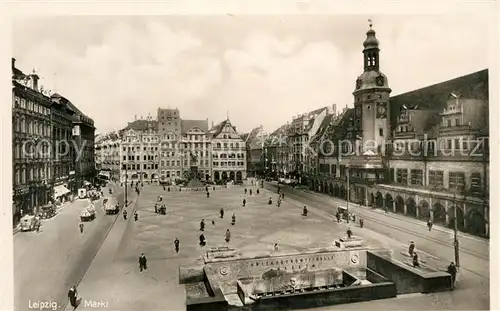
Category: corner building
<point>423,154</point>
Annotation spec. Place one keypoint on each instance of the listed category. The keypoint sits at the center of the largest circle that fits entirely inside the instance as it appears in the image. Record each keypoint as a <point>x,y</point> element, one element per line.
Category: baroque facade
<point>228,153</point>
<point>424,154</point>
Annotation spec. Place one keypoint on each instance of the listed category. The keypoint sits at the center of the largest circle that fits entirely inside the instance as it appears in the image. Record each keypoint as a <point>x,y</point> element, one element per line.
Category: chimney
<point>13,62</point>
<point>34,79</point>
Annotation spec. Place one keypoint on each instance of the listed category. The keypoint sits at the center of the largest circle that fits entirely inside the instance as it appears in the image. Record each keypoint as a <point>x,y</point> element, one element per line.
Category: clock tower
<point>371,99</point>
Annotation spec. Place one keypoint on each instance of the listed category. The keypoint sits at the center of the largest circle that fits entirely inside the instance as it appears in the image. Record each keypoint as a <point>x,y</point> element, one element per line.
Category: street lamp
<point>348,192</point>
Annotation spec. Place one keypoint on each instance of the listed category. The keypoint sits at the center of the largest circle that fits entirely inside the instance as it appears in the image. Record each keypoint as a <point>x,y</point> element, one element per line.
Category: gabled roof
<point>216,130</point>
<point>187,125</point>
<point>435,97</point>
<point>322,128</point>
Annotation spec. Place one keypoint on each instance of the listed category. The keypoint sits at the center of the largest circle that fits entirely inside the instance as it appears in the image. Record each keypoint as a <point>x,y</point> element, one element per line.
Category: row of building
<point>165,149</point>
<point>52,143</point>
<point>424,153</point>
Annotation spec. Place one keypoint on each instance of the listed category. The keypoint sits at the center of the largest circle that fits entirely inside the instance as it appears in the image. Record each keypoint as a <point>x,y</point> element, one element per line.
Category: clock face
<point>380,81</point>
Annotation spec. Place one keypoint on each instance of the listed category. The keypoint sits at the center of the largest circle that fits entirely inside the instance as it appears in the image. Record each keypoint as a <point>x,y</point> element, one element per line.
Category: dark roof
<point>218,128</point>
<point>68,104</point>
<point>141,125</point>
<point>322,128</point>
<point>187,125</point>
<point>435,97</point>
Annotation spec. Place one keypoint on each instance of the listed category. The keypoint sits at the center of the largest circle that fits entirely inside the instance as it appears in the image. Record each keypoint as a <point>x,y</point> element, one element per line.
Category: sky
<point>256,69</point>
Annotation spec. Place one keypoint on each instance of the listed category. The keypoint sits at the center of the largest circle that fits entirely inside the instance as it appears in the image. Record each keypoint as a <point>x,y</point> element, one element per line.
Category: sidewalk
<point>467,242</point>
<point>417,222</point>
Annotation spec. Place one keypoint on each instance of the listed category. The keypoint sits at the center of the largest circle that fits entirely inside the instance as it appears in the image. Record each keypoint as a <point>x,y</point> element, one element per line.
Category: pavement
<point>113,280</point>
<point>48,262</point>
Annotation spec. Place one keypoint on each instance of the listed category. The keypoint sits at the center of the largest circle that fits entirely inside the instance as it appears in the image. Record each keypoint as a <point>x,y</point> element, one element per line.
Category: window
<point>456,180</point>
<point>402,176</point>
<point>475,184</point>
<point>457,122</point>
<point>416,177</point>
<point>465,143</point>
<point>457,144</point>
<point>448,122</point>
<point>449,144</point>
<point>380,132</point>
<point>124,158</point>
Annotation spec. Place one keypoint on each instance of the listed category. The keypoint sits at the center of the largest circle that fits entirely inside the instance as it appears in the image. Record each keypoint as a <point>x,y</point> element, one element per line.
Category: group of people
<point>202,238</point>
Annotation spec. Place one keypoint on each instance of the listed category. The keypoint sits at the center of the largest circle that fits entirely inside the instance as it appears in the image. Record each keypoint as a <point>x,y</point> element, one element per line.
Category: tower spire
<point>370,23</point>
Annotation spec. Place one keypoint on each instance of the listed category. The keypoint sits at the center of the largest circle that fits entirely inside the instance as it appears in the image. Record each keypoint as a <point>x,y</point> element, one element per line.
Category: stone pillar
<point>405,208</point>
<point>366,196</point>
<point>394,206</point>
<point>446,213</point>
<point>465,216</point>
<point>431,214</point>
<point>417,211</point>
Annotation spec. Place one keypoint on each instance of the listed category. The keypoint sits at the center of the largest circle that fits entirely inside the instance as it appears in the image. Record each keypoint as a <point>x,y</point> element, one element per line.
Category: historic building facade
<point>139,152</point>
<point>31,145</point>
<point>63,161</point>
<point>424,154</point>
<point>228,153</point>
<point>196,148</point>
<point>107,154</point>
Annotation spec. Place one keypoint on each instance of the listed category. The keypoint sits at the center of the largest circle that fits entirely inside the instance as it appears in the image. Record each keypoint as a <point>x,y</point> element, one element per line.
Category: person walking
<point>250,191</point>
<point>452,270</point>
<point>244,202</point>
<point>245,190</point>
<point>213,222</point>
<point>416,262</point>
<point>429,225</point>
<point>411,248</point>
<point>202,240</point>
<point>304,211</point>
<point>125,214</point>
<point>81,226</point>
<point>208,194</point>
<point>275,246</point>
<point>257,190</point>
<point>143,262</point>
<point>349,233</point>
<point>176,245</point>
<point>136,216</point>
<point>228,236</point>
<point>233,219</point>
<point>73,296</point>
<point>202,225</point>
<point>221,213</point>
<point>361,222</point>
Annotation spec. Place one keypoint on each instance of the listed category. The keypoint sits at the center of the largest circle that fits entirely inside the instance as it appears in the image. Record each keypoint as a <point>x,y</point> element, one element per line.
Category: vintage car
<point>29,223</point>
<point>88,213</point>
<point>111,206</point>
<point>48,211</point>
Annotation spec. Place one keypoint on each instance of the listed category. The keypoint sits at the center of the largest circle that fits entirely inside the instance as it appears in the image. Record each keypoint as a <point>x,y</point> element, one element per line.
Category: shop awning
<point>60,190</point>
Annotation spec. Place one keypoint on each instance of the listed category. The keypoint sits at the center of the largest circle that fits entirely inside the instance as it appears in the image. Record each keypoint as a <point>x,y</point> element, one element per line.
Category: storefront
<point>20,206</point>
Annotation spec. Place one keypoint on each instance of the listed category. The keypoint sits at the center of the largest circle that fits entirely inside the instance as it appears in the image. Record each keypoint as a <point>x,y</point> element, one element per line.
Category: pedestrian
<point>81,227</point>
<point>275,246</point>
<point>143,262</point>
<point>338,216</point>
<point>411,248</point>
<point>73,296</point>
<point>163,187</point>
<point>250,191</point>
<point>353,218</point>
<point>221,213</point>
<point>202,240</point>
<point>208,194</point>
<point>136,216</point>
<point>349,233</point>
<point>233,221</point>
<point>213,222</point>
<point>361,222</point>
<point>125,214</point>
<point>245,190</point>
<point>270,201</point>
<point>257,191</point>
<point>416,263</point>
<point>228,235</point>
<point>452,270</point>
<point>202,225</point>
<point>244,202</point>
<point>176,245</point>
<point>304,211</point>
<point>206,188</point>
<point>283,195</point>
<point>429,225</point>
